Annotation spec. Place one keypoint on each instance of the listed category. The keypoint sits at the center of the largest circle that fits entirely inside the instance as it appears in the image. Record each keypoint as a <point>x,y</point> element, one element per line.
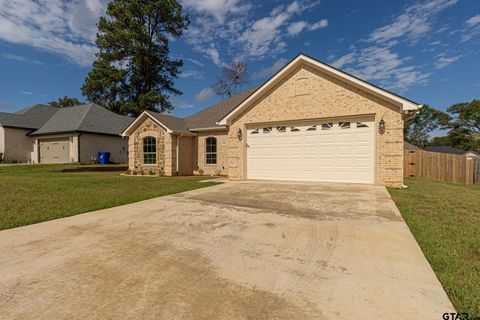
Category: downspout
<point>78,147</point>
<point>177,150</point>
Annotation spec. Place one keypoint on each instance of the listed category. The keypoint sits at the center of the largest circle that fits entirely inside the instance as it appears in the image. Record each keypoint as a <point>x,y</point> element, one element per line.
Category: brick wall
<point>307,93</point>
<point>135,148</point>
<point>221,168</point>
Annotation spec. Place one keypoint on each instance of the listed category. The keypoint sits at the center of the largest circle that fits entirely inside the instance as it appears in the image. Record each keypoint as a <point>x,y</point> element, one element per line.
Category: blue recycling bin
<point>103,157</point>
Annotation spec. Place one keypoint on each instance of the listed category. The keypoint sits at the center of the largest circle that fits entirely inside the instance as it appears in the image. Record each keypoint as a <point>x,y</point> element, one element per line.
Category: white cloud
<point>214,55</point>
<point>472,28</point>
<point>263,35</point>
<point>414,23</point>
<point>344,60</point>
<point>269,71</point>
<point>473,21</point>
<point>216,8</point>
<point>297,27</point>
<point>318,25</point>
<point>204,95</point>
<point>240,36</point>
<point>27,93</point>
<point>64,28</point>
<point>181,104</point>
<point>382,65</point>
<point>192,74</point>
<point>20,58</point>
<point>444,61</point>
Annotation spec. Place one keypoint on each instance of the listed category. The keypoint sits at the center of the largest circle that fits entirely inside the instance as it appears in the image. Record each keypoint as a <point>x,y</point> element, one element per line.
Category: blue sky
<point>426,50</point>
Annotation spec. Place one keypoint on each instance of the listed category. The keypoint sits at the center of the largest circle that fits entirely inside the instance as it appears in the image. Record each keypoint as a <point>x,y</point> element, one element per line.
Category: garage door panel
<point>334,154</point>
<point>55,151</point>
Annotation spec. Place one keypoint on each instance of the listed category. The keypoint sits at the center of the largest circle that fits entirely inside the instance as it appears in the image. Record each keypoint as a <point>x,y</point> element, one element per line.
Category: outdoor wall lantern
<point>381,126</point>
<point>239,134</point>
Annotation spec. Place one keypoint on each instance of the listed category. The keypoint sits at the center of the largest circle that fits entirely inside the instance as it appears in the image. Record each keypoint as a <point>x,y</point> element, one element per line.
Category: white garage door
<point>327,151</point>
<point>55,151</point>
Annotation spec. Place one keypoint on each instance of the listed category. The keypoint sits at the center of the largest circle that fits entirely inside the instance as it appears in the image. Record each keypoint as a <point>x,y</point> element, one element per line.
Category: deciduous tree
<point>65,102</point>
<point>419,128</point>
<point>232,80</point>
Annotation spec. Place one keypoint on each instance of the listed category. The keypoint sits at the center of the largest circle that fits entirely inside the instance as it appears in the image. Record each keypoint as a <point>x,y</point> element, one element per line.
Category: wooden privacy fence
<point>441,166</point>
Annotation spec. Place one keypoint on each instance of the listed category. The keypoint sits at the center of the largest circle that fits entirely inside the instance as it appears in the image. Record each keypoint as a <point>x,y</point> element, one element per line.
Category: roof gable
<point>404,104</point>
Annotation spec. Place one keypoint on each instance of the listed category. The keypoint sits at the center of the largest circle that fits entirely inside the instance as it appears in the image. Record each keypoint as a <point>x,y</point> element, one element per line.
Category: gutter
<point>210,129</point>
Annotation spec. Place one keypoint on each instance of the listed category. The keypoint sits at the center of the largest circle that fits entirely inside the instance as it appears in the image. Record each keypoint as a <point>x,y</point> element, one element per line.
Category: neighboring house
<point>451,150</point>
<point>308,122</point>
<point>409,146</point>
<point>44,134</point>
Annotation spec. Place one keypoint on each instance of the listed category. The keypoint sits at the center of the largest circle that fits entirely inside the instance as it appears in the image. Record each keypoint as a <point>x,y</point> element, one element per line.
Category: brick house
<point>308,122</point>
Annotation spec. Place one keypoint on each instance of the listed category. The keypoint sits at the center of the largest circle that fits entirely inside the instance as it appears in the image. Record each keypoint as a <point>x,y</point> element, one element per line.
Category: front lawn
<point>445,220</point>
<point>35,193</point>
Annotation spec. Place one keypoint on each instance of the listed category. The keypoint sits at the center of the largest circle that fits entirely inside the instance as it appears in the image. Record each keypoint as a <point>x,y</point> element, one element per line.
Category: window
<point>149,150</point>
<point>312,128</point>
<point>267,130</point>
<point>293,129</point>
<point>344,125</point>
<point>255,131</point>
<point>281,129</point>
<point>362,125</point>
<point>211,150</point>
<point>327,126</point>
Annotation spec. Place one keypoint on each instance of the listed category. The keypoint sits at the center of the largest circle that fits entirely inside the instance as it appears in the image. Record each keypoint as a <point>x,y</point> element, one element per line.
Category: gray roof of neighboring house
<point>409,146</point>
<point>84,118</point>
<point>29,118</point>
<point>446,149</point>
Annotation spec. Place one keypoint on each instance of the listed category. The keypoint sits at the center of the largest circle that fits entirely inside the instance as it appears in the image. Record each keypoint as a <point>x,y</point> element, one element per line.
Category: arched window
<point>211,150</point>
<point>149,150</point>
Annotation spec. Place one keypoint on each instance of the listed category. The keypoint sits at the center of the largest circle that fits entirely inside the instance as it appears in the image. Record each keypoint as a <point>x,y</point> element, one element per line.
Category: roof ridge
<point>164,114</point>
<point>89,106</point>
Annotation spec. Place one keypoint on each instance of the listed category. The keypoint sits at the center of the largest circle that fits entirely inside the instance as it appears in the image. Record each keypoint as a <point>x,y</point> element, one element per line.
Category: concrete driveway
<point>251,250</point>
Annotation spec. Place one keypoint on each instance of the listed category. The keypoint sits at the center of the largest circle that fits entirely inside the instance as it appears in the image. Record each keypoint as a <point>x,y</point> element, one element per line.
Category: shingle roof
<point>445,149</point>
<point>206,118</point>
<point>171,122</point>
<point>29,118</point>
<point>84,118</point>
<point>209,117</point>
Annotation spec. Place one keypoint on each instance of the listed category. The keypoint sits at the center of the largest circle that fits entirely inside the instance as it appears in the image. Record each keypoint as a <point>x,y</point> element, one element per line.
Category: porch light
<point>381,126</point>
<point>239,134</point>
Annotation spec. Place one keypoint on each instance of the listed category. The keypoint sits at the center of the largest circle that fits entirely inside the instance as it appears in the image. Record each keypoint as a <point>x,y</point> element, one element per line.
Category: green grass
<point>34,193</point>
<point>445,220</point>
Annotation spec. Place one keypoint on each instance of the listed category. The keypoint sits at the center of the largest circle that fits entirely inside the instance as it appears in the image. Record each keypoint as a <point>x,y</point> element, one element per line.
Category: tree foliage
<point>465,125</point>
<point>232,80</point>
<point>462,120</point>
<point>133,70</point>
<point>427,119</point>
<point>65,102</point>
